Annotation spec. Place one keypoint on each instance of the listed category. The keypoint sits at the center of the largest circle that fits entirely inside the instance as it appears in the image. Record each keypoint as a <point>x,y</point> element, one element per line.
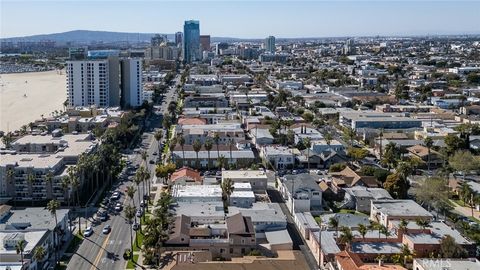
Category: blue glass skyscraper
<point>191,41</point>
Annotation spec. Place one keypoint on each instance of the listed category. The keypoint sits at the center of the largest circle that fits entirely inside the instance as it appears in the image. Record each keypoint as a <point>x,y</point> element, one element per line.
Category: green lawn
<point>139,237</point>
<point>76,241</point>
<point>460,202</point>
<point>130,264</point>
<point>348,211</point>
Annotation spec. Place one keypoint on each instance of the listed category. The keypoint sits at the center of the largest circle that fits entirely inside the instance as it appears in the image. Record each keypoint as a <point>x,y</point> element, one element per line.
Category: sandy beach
<point>24,97</point>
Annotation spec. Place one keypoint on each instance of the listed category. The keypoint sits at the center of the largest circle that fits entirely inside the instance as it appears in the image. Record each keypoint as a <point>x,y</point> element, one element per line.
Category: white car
<point>88,232</point>
<point>118,207</point>
<point>106,229</point>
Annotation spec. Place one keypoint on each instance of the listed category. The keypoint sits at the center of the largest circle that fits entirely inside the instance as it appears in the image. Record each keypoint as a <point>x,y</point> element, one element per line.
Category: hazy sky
<point>248,19</point>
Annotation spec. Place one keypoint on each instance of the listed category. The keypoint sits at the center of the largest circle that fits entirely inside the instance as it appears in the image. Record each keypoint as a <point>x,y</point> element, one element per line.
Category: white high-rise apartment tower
<point>132,90</point>
<point>94,81</point>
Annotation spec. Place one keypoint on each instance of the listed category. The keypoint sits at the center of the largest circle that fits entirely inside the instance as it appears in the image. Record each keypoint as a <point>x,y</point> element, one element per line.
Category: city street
<point>100,251</point>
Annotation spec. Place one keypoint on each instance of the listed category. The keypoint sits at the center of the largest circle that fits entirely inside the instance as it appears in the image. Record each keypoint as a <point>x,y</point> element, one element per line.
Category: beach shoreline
<point>25,97</point>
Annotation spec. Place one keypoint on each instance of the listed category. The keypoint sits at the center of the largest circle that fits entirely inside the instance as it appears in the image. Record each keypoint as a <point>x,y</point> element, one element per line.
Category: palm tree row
<point>208,145</point>
<point>157,228</point>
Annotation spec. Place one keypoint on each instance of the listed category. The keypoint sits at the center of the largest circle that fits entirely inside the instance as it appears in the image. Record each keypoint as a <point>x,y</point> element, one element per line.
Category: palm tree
<point>131,193</point>
<point>65,182</point>
<point>407,254</point>
<point>75,183</point>
<point>346,237</point>
<point>158,137</point>
<point>10,176</point>
<point>216,139</point>
<point>130,215</point>
<point>208,146</point>
<point>403,226</point>
<point>333,222</point>
<point>39,254</point>
<point>362,229</point>
<point>307,142</point>
<point>384,230</point>
<point>49,179</point>
<point>138,179</point>
<point>171,146</point>
<point>422,223</point>
<point>52,207</point>
<point>350,134</point>
<point>227,189</point>
<point>197,145</point>
<point>144,156</point>
<point>20,248</point>
<point>31,179</point>
<point>181,141</point>
<point>328,138</point>
<point>221,162</point>
<point>231,144</point>
<point>428,143</point>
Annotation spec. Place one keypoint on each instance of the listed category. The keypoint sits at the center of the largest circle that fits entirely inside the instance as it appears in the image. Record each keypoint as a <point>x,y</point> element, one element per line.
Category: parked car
<point>136,226</point>
<point>88,231</point>
<point>142,203</point>
<point>151,161</point>
<point>116,195</point>
<point>118,207</point>
<point>139,213</point>
<point>103,216</point>
<point>107,229</point>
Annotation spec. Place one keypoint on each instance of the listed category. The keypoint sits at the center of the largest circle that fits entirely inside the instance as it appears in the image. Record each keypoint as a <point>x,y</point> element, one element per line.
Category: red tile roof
<point>186,172</point>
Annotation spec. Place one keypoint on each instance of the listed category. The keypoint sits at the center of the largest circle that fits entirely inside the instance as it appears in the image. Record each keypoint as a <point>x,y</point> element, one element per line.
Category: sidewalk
<point>465,211</point>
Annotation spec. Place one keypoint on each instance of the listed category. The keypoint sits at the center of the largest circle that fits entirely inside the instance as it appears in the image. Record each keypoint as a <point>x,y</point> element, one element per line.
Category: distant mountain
<point>87,37</point>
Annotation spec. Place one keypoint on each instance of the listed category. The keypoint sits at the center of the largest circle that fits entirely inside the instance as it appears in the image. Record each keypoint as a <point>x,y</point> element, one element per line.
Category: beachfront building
<point>104,80</point>
<point>35,168</point>
<point>95,80</point>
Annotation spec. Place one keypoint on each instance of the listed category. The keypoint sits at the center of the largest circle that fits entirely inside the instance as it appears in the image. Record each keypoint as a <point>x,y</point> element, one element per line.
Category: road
<point>100,251</point>
<point>297,239</point>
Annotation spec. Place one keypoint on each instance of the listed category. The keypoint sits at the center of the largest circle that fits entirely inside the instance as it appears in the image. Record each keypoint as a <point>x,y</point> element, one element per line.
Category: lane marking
<point>100,254</point>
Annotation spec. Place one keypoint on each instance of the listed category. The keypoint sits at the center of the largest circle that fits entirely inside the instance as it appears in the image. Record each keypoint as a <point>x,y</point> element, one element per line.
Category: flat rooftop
<point>179,191</point>
<point>30,237</point>
<point>376,247</point>
<point>407,208</point>
<point>244,174</point>
<point>32,218</point>
<point>43,161</point>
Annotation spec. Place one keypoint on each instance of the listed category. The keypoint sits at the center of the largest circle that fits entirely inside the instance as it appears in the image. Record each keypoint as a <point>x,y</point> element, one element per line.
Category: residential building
<point>266,217</point>
<point>360,197</point>
<point>270,44</point>
<point>178,38</point>
<point>24,174</point>
<point>280,157</point>
<point>132,85</point>
<point>376,120</point>
<point>301,192</point>
<point>186,176</point>
<point>191,41</point>
<point>36,227</point>
<point>94,81</point>
<point>197,193</point>
<point>256,178</point>
<point>347,260</point>
<point>385,211</point>
<point>349,178</point>
<point>205,43</point>
<point>431,158</point>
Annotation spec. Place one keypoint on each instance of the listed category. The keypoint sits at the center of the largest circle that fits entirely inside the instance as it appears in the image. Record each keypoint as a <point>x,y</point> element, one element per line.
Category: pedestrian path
<point>465,211</point>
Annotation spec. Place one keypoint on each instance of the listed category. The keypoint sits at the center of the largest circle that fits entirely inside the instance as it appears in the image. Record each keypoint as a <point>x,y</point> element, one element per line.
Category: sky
<point>244,19</point>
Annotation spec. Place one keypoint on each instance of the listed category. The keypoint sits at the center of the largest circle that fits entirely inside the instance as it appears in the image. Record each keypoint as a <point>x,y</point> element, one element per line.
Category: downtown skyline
<point>245,19</point>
